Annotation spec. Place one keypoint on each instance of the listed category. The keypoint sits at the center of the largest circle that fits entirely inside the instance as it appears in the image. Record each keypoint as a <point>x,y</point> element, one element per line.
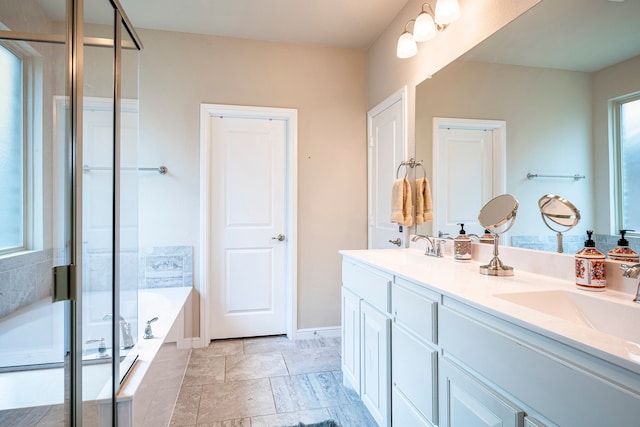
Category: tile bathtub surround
<point>25,279</point>
<point>269,381</point>
<point>166,266</point>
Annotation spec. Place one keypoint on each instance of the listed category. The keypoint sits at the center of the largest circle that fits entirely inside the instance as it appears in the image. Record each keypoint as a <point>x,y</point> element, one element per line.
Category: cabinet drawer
<point>414,373</point>
<point>415,308</point>
<point>467,402</point>
<point>371,285</point>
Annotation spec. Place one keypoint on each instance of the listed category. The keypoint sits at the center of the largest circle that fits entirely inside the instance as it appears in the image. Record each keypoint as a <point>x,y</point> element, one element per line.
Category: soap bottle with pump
<point>590,267</point>
<point>487,237</point>
<point>462,246</point>
<point>623,252</point>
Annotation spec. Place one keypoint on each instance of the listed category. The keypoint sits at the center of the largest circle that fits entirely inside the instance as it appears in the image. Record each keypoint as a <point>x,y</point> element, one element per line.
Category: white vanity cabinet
<point>414,355</point>
<point>366,337</point>
<point>425,355</point>
<point>551,382</point>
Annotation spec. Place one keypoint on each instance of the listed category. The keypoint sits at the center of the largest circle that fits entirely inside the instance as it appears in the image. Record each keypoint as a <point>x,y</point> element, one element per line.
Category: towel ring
<point>406,171</point>
<point>424,171</point>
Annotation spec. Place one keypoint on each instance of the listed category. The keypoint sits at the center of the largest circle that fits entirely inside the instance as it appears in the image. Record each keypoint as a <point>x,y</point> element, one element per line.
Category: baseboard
<point>313,333</point>
<point>188,343</point>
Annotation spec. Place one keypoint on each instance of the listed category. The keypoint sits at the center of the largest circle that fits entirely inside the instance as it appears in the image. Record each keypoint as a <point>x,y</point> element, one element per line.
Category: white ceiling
<point>578,35</point>
<point>339,23</point>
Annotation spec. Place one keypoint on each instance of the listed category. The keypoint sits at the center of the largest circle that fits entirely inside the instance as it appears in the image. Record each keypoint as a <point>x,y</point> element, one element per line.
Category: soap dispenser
<point>487,237</point>
<point>623,252</point>
<point>590,267</point>
<point>462,246</point>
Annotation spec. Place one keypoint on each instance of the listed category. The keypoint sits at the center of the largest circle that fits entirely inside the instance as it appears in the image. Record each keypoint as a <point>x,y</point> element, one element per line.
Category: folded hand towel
<point>428,208</point>
<point>424,210</point>
<point>397,201</point>
<point>401,202</point>
<point>419,201</point>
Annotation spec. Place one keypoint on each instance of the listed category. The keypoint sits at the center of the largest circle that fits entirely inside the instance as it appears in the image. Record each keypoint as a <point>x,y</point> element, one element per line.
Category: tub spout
<point>125,331</point>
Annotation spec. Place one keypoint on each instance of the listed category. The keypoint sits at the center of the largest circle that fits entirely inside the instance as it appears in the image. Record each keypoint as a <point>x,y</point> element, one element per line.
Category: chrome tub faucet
<point>125,331</point>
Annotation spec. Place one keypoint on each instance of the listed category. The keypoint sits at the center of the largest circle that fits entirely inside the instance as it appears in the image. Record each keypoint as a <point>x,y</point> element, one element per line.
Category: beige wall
<point>326,85</point>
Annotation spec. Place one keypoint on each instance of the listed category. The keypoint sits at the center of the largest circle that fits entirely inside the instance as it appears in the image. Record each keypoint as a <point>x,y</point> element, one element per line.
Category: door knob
<point>396,242</point>
<point>279,237</point>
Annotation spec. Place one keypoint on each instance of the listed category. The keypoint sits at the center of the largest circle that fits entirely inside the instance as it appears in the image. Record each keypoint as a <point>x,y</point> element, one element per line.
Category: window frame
<point>32,95</point>
<point>615,138</point>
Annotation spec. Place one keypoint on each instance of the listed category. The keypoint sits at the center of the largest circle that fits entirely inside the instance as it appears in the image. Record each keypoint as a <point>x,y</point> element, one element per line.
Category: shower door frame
<point>69,287</point>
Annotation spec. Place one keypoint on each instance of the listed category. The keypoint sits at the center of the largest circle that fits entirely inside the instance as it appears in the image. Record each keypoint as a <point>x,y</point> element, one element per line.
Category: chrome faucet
<point>632,272</point>
<point>434,245</point>
<point>125,331</point>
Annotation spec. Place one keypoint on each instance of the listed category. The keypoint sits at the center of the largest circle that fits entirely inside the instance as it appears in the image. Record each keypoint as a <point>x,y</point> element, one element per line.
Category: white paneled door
<point>248,227</point>
<point>387,148</point>
<point>469,163</point>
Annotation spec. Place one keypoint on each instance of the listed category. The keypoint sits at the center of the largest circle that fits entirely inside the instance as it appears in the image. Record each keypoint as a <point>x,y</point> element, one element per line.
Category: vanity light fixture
<point>426,26</point>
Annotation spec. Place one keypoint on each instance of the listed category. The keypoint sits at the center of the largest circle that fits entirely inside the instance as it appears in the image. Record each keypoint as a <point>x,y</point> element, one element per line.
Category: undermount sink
<point>620,319</point>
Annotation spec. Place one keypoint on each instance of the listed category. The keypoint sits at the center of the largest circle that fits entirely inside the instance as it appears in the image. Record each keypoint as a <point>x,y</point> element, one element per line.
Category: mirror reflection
<point>552,76</point>
<point>559,215</point>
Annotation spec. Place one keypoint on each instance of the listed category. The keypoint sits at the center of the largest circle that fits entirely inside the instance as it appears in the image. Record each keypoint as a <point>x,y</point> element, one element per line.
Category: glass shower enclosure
<point>68,210</point>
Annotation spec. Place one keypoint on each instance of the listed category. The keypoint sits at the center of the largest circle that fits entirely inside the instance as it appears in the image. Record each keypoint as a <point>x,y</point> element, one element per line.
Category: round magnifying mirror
<point>498,212</point>
<point>498,216</point>
<point>559,214</point>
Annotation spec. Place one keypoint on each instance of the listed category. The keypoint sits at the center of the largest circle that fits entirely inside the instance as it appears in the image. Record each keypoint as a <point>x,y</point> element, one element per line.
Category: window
<point>12,153</point>
<point>627,144</point>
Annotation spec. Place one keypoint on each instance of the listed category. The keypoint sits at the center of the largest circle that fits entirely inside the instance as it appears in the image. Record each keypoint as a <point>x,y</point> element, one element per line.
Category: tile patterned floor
<point>267,382</point>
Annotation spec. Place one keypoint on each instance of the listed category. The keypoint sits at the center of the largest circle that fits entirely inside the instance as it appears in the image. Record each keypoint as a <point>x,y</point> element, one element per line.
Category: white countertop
<point>463,282</point>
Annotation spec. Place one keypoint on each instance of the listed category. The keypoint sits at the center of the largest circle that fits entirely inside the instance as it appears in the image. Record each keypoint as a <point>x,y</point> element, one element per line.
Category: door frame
<point>290,116</point>
<point>401,97</point>
<point>499,128</point>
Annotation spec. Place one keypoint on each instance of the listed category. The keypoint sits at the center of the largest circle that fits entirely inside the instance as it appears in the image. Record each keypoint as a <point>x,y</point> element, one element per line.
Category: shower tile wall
<point>166,267</point>
<point>25,279</point>
<point>156,267</point>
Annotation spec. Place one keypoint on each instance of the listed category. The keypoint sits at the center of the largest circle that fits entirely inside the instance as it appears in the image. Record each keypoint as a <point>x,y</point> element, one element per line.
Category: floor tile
<point>233,400</point>
<point>252,366</point>
<point>351,394</point>
<point>225,347</point>
<point>242,422</point>
<point>352,415</point>
<point>311,360</point>
<point>268,344</point>
<point>204,370</point>
<point>186,410</point>
<point>291,418</point>
<point>307,391</point>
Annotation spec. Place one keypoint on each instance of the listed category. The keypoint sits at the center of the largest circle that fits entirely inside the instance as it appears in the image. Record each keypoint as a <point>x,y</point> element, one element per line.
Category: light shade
<point>424,29</point>
<point>447,11</point>
<point>407,46</point>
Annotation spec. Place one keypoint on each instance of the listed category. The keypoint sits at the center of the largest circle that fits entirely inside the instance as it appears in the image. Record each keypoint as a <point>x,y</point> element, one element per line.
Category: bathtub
<point>20,330</point>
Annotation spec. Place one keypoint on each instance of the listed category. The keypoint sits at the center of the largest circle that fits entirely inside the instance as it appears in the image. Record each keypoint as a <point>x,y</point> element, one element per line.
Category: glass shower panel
<point>129,62</point>
<point>98,317</point>
<point>35,176</point>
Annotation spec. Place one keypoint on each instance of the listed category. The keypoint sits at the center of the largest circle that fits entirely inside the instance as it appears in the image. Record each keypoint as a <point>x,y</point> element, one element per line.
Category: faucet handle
<point>148,332</point>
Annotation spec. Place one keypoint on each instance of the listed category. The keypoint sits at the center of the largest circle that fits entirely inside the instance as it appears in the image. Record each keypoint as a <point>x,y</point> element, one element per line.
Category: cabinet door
<point>375,328</point>
<point>351,340</point>
<point>414,373</point>
<point>467,402</point>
